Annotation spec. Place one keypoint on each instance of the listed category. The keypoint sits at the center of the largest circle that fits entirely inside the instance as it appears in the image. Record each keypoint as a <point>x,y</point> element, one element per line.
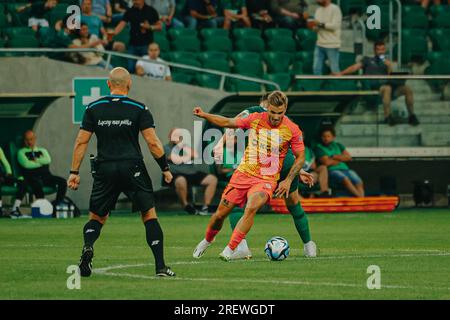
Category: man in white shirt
<point>327,24</point>
<point>153,70</point>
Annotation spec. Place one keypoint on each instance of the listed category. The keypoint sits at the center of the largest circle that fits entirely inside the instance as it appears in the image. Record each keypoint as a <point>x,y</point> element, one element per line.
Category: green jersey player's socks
<point>235,216</point>
<point>301,222</point>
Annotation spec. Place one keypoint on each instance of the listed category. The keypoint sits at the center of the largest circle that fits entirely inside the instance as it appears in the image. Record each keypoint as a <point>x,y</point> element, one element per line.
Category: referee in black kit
<point>117,120</point>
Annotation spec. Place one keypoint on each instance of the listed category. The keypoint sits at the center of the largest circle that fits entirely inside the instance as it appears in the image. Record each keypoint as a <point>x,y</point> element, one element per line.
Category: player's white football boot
<point>226,254</point>
<point>310,249</point>
<point>200,250</point>
<point>242,251</point>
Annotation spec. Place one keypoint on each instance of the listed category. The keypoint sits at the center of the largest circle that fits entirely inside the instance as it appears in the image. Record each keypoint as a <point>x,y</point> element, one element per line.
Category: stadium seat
<point>217,64</point>
<point>277,62</point>
<point>206,55</point>
<point>211,33</point>
<point>58,13</point>
<point>123,36</point>
<point>19,31</point>
<point>206,80</point>
<point>306,39</point>
<point>18,19</point>
<point>222,44</point>
<point>273,33</point>
<point>242,56</point>
<point>440,39</point>
<point>339,85</point>
<point>307,58</point>
<point>414,47</point>
<point>161,40</point>
<point>351,6</point>
<point>240,33</point>
<point>442,18</point>
<point>433,56</point>
<point>3,21</point>
<point>175,34</point>
<point>282,79</point>
<point>254,44</point>
<point>281,43</point>
<point>346,59</point>
<point>23,42</point>
<point>439,66</point>
<point>307,85</point>
<point>414,17</point>
<point>182,77</point>
<point>249,68</point>
<point>179,56</point>
<point>297,68</point>
<point>243,86</point>
<point>189,43</point>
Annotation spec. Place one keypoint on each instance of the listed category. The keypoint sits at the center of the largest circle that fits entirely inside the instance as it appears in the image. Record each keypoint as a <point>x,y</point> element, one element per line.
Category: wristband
<point>75,172</point>
<point>162,163</point>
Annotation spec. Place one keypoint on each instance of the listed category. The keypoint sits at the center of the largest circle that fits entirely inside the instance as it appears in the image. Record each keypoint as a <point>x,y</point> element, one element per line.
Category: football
<point>277,249</point>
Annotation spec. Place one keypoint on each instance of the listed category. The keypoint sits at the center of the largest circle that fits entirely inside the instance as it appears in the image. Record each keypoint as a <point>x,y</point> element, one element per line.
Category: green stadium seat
<point>414,17</point>
<point>240,33</point>
<point>206,80</point>
<point>182,77</point>
<point>277,62</point>
<point>237,85</point>
<point>3,21</point>
<point>273,33</point>
<point>282,79</point>
<point>339,85</point>
<point>297,67</point>
<point>346,59</point>
<point>414,47</point>
<point>306,39</point>
<point>307,58</point>
<point>175,34</point>
<point>351,6</point>
<point>117,61</point>
<point>58,13</point>
<point>206,55</point>
<point>190,43</point>
<point>161,40</point>
<point>433,56</point>
<point>216,64</point>
<point>254,44</point>
<point>19,31</point>
<point>307,85</point>
<point>242,56</point>
<point>18,19</point>
<point>2,43</point>
<point>249,68</point>
<point>211,33</point>
<point>23,42</point>
<point>284,44</point>
<point>222,44</point>
<point>442,19</point>
<point>440,39</point>
<point>123,36</point>
<point>179,56</point>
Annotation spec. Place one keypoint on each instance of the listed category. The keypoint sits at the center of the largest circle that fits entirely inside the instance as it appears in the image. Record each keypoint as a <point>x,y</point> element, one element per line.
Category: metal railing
<point>399,31</point>
<point>109,54</point>
<point>376,77</point>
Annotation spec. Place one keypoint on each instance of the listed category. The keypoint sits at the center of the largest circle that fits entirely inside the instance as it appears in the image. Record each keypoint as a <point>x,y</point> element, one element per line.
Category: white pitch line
<point>275,282</point>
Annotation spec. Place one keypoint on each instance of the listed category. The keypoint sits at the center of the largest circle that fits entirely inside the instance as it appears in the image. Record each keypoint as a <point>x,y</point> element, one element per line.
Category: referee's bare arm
<point>156,149</point>
<point>79,150</point>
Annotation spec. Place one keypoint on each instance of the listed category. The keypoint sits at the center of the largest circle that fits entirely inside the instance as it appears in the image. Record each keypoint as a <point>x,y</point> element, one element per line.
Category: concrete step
<point>431,139</point>
<point>385,130</point>
<point>383,141</point>
<point>371,118</point>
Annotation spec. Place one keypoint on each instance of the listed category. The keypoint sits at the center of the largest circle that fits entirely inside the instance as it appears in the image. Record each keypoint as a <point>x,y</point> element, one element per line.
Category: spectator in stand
<point>7,179</point>
<point>327,24</point>
<point>389,90</point>
<point>143,20</point>
<point>38,12</point>
<point>319,173</point>
<point>153,70</point>
<point>259,12</point>
<point>235,12</point>
<point>290,14</point>
<point>119,7</point>
<point>166,10</point>
<point>202,14</point>
<point>86,40</point>
<point>34,162</point>
<point>101,9</point>
<point>335,157</point>
<point>186,173</point>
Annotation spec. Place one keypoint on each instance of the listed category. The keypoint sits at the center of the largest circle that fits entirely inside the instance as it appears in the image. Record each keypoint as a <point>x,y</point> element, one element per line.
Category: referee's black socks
<point>91,232</point>
<point>154,236</point>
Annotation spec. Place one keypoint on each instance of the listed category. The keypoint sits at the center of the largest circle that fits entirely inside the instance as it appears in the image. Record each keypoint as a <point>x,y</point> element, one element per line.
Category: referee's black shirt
<point>116,121</point>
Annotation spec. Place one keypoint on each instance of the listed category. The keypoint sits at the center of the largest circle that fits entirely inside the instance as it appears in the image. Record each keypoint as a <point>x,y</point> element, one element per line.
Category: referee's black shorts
<point>127,176</point>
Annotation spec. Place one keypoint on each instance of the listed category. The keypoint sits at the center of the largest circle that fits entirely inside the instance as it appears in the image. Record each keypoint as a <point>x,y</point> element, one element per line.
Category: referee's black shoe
<point>86,261</point>
<point>165,272</point>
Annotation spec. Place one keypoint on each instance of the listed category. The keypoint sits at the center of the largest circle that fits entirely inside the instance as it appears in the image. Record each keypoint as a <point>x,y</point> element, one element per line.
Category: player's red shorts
<point>241,186</point>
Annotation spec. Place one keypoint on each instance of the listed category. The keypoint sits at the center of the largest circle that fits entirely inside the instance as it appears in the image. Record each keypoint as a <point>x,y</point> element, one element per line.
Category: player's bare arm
<point>215,119</point>
<point>284,186</point>
<point>327,161</point>
<point>156,149</point>
<point>79,150</point>
<point>344,157</point>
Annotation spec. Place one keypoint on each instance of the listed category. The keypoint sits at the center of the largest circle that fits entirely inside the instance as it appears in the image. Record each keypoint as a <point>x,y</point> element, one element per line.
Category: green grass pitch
<point>411,247</point>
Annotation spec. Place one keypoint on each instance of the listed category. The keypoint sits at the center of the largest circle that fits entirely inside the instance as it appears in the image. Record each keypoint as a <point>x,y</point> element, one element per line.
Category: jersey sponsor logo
<point>119,123</point>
